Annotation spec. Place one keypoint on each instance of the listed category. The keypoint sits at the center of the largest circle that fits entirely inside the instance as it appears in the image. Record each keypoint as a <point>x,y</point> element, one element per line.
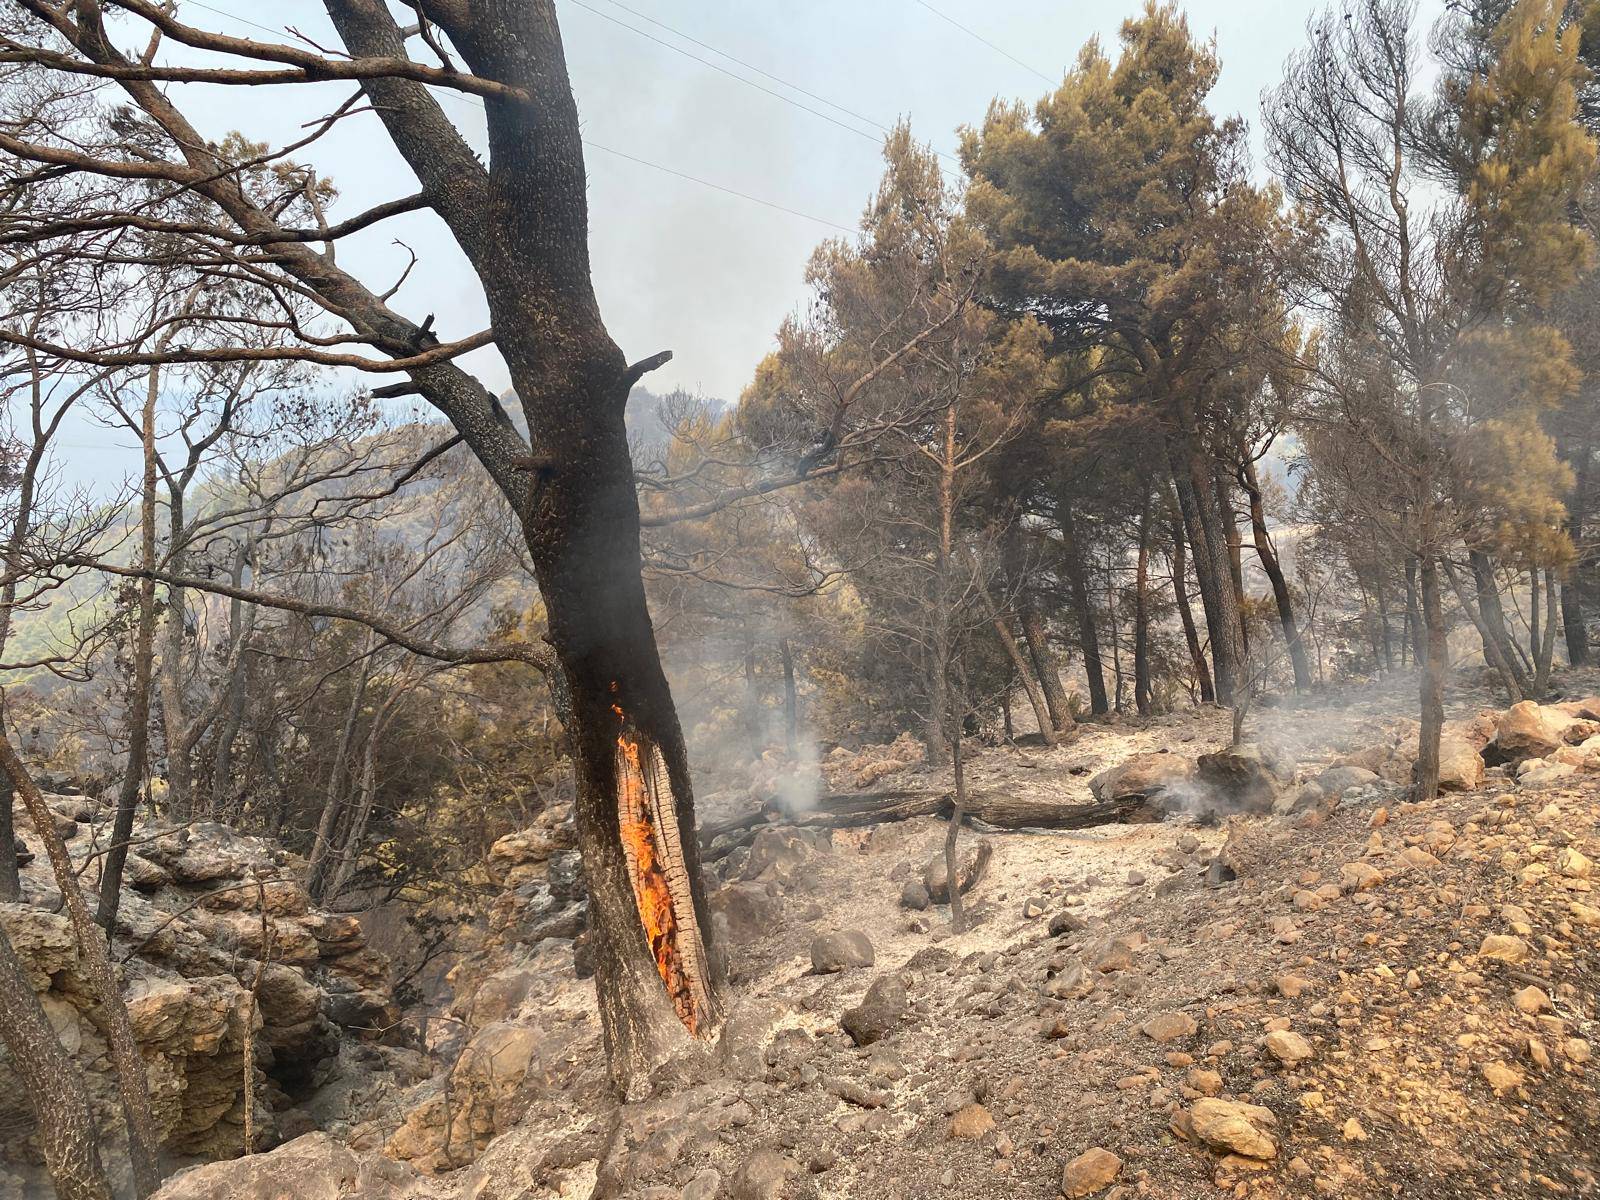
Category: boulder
<point>313,1167</point>
<point>1151,776</point>
<point>1525,731</point>
<point>1247,777</point>
<point>1234,1127</point>
<point>879,1012</point>
<point>1461,766</point>
<point>834,952</point>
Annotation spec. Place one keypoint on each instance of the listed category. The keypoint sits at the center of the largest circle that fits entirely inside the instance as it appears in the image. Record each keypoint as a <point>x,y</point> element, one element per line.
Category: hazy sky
<point>679,265</point>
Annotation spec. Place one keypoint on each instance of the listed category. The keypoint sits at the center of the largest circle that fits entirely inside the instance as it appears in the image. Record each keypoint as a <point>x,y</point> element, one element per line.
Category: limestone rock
<point>313,1167</point>
<point>1235,1127</point>
<point>1524,731</point>
<point>763,1176</point>
<point>1505,947</point>
<point>1089,1172</point>
<point>1247,777</point>
<point>971,1122</point>
<point>1143,777</point>
<point>1169,1027</point>
<point>1288,1047</point>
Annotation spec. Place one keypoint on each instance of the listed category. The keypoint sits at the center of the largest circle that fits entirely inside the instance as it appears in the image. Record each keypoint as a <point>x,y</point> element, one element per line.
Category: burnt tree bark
<point>1078,587</point>
<point>1273,566</point>
<point>1191,635</point>
<point>1033,632</point>
<point>1141,616</point>
<point>1203,525</point>
<point>1572,619</point>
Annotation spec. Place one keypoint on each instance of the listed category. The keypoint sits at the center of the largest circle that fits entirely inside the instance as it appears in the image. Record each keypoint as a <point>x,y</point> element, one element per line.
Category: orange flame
<point>642,847</point>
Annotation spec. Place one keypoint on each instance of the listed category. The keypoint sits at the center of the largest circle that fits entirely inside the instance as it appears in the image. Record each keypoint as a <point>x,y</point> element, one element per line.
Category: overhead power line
<point>643,162</point>
<point>794,212</point>
<point>751,67</point>
<point>974,34</point>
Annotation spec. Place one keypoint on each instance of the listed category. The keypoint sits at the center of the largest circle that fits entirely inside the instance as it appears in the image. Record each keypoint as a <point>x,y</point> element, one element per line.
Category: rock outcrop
<point>206,916</point>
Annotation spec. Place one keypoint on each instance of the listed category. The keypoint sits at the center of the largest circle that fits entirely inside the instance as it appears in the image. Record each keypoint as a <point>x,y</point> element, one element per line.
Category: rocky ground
<point>207,917</point>
<point>1299,984</point>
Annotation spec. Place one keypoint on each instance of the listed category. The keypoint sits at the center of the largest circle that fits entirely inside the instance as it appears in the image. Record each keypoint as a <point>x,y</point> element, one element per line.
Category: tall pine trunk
<point>1273,566</point>
<point>1435,666</point>
<point>1141,616</point>
<point>1078,587</point>
<point>1191,635</point>
<point>1572,618</point>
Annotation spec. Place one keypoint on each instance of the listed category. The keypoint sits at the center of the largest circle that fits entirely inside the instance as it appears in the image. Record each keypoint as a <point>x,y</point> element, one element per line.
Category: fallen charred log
<point>999,810</point>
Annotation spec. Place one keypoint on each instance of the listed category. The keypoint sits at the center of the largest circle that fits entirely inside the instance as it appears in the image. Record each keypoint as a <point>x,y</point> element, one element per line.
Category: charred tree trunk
<point>1572,618</point>
<point>1041,710</point>
<point>1191,635</point>
<point>1493,624</point>
<point>1033,633</point>
<point>1078,587</point>
<point>335,796</point>
<point>1435,666</point>
<point>1230,522</point>
<point>791,700</point>
<point>1414,613</point>
<point>1273,566</point>
<point>1203,524</point>
<point>1116,637</point>
<point>1511,677</point>
<point>133,1085</point>
<point>1141,616</point>
<point>10,879</point>
<point>53,1086</point>
<point>1545,652</point>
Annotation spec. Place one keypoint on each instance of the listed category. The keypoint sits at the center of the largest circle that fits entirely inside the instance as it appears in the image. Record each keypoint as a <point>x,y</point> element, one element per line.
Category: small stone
<point>1089,1172</point>
<point>1576,1050</point>
<point>1033,907</point>
<point>1503,946</point>
<point>1359,877</point>
<point>1206,1082</point>
<point>914,895</point>
<point>1292,986</point>
<point>1288,1047</point>
<point>971,1122</point>
<point>1531,1000</point>
<point>1231,1125</point>
<point>1573,864</point>
<point>1353,1132</point>
<point>1066,922</point>
<point>1169,1027</point>
<point>1501,1077</point>
<point>1585,915</point>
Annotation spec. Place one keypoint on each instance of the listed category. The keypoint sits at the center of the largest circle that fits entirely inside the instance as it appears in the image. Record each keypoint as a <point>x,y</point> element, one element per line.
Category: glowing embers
<point>656,868</point>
